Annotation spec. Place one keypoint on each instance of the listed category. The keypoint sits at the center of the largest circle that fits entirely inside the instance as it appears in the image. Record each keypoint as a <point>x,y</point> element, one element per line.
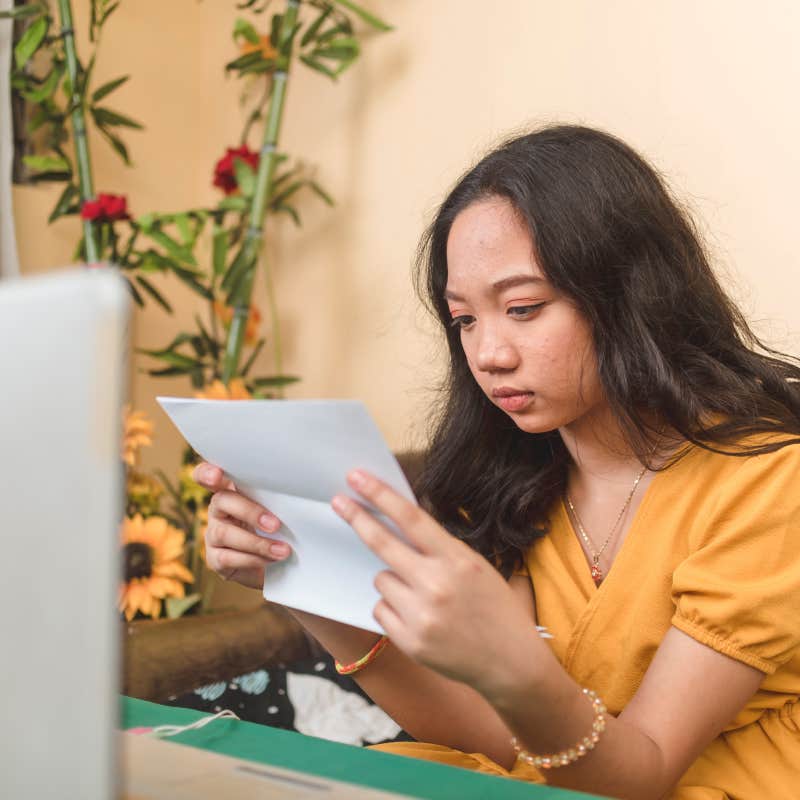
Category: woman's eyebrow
<point>500,285</point>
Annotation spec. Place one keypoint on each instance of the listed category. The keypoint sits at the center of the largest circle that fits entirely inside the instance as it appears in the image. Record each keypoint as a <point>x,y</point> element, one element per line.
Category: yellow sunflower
<point>137,433</point>
<point>235,390</point>
<point>153,569</point>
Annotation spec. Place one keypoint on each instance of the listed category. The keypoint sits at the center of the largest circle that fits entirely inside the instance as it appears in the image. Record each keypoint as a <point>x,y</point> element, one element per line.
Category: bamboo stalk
<point>251,246</point>
<point>78,128</point>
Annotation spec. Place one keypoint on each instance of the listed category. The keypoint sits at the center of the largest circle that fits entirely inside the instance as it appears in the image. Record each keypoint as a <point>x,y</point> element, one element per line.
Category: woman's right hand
<point>233,549</point>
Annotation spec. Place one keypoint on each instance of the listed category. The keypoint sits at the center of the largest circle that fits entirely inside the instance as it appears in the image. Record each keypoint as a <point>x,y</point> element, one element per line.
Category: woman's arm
<point>445,607</point>
<point>429,706</point>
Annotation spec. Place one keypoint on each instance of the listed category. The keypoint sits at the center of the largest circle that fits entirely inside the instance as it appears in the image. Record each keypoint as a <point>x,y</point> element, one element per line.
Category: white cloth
<point>9,262</point>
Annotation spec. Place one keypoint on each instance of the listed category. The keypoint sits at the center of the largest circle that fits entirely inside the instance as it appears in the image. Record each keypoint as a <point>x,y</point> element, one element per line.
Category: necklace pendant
<point>597,574</point>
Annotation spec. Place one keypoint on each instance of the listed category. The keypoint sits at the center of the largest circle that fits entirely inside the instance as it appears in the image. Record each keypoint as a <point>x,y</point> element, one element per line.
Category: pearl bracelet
<point>573,753</point>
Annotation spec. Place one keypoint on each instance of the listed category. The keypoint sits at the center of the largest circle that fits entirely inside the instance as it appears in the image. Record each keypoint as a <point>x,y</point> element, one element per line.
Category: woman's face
<point>528,347</point>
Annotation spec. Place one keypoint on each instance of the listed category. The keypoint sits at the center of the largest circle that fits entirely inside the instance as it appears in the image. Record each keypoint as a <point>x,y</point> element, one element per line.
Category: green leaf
<point>286,193</point>
<point>106,117</point>
<point>337,50</point>
<point>134,292</point>
<point>245,177</point>
<point>265,65</point>
<point>191,281</point>
<point>234,203</point>
<point>211,343</point>
<point>67,203</point>
<point>30,41</point>
<point>235,270</point>
<point>370,19</point>
<point>243,28</point>
<point>318,66</point>
<point>243,61</point>
<point>107,88</point>
<point>290,210</point>
<point>180,253</point>
<point>317,189</point>
<point>173,359</point>
<point>117,144</point>
<point>185,230</point>
<point>332,33</point>
<point>275,30</point>
<point>275,380</point>
<point>167,371</point>
<point>47,163</point>
<point>47,88</point>
<point>178,606</point>
<point>312,29</point>
<point>23,11</point>
<point>253,355</point>
<point>220,249</point>
<point>154,293</point>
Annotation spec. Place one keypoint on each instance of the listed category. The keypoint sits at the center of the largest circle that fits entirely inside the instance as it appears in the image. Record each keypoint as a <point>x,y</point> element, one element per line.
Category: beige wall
<point>707,90</point>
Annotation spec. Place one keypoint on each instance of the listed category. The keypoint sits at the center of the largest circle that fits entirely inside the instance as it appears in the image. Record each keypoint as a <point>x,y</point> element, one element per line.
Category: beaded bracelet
<point>349,669</point>
<point>573,753</point>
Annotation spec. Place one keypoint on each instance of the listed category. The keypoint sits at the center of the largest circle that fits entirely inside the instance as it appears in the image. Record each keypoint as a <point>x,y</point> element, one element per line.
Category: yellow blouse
<point>714,550</point>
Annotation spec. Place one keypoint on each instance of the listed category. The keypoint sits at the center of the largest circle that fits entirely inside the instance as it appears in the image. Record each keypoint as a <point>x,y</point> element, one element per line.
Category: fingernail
<point>267,522</point>
<point>279,549</point>
<point>340,503</point>
<point>357,479</point>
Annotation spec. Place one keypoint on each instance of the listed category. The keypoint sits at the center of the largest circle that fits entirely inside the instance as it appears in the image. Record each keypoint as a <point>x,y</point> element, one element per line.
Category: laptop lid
<point>62,364</point>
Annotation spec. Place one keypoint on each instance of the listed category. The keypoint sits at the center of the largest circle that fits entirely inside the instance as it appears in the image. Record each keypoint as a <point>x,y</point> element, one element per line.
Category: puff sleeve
<point>738,591</point>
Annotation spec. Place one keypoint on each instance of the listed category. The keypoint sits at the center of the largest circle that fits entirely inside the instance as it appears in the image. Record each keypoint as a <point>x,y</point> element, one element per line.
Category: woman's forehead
<point>490,248</point>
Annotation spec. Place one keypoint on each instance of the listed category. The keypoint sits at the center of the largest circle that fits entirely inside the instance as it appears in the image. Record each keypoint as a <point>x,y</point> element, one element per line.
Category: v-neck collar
<point>592,591</point>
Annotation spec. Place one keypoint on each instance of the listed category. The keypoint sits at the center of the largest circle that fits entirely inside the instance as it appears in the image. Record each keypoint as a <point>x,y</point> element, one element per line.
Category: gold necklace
<point>597,572</point>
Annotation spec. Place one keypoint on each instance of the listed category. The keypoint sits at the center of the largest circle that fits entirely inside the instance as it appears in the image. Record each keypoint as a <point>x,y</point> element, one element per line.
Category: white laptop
<point>62,363</point>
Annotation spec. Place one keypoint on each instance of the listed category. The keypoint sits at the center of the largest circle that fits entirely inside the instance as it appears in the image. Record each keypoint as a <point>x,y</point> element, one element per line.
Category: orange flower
<point>264,45</point>
<point>152,562</point>
<point>225,315</point>
<point>137,433</point>
<point>235,390</point>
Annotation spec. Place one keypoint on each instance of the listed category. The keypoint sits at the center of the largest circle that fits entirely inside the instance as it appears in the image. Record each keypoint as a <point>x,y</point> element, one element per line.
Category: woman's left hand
<point>441,602</point>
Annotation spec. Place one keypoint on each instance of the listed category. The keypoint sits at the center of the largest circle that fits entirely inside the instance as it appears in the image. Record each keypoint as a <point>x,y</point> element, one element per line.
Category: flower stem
<point>251,246</point>
<point>79,128</point>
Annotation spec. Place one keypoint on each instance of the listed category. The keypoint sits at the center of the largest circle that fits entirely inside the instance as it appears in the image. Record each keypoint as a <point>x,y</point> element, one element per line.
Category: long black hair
<point>670,344</point>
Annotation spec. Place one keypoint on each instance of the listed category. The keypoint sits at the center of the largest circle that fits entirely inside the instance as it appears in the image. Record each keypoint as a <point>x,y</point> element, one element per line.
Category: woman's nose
<point>495,354</point>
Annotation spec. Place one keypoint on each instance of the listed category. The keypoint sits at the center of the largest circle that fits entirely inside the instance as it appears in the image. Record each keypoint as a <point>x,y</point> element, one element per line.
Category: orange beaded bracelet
<point>349,669</point>
<point>573,753</point>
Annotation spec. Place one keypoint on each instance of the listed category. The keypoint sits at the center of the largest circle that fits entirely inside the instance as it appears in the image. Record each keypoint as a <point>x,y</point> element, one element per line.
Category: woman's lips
<point>515,402</point>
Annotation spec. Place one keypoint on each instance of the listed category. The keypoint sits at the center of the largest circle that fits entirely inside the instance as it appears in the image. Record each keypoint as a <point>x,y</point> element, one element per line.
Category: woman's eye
<point>462,321</point>
<point>524,311</point>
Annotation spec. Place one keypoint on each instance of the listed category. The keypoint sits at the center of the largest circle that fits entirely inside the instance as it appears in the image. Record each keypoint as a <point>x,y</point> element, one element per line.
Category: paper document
<point>292,456</point>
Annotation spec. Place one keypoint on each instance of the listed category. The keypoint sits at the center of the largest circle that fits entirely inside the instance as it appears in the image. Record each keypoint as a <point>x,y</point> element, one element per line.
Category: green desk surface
<point>341,762</point>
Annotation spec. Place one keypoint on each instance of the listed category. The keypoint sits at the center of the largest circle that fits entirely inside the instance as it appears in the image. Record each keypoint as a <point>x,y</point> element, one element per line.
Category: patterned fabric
<point>308,696</point>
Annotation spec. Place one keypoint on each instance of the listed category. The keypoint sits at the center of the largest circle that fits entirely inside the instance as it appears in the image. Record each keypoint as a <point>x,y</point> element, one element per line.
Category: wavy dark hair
<point>670,344</point>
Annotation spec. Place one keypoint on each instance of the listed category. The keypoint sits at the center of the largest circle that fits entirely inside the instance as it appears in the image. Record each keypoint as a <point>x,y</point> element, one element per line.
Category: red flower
<point>106,208</point>
<point>224,175</point>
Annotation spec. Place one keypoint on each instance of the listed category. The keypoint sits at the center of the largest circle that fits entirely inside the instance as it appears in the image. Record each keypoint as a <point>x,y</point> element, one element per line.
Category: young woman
<point>615,458</point>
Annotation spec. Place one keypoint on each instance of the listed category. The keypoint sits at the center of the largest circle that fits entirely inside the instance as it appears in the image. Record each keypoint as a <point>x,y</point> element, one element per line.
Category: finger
<point>389,548</point>
<point>231,563</point>
<point>391,623</point>
<point>212,477</point>
<point>229,536</point>
<point>239,507</point>
<point>398,594</point>
<point>418,526</point>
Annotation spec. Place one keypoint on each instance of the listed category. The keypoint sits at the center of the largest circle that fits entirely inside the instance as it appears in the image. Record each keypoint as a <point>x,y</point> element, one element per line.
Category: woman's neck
<point>599,449</point>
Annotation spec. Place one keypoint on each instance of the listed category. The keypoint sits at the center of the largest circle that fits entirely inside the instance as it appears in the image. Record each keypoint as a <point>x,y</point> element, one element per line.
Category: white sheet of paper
<point>292,456</point>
